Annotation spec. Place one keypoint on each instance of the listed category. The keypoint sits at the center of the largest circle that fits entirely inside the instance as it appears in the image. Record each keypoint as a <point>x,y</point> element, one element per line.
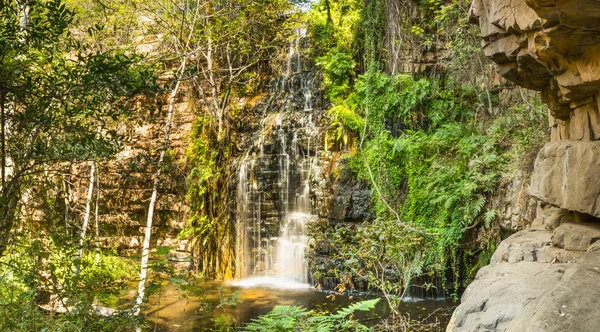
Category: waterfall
<point>275,198</point>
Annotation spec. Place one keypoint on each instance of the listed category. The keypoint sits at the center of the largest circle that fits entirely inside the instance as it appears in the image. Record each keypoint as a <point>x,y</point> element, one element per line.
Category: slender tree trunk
<point>213,84</point>
<point>66,199</point>
<point>148,232</point>
<point>329,21</point>
<point>11,195</point>
<point>3,137</point>
<point>86,217</point>
<point>24,18</point>
<point>96,215</point>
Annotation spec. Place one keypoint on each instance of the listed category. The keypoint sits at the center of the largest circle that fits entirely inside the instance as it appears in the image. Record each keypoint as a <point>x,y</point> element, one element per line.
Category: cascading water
<point>274,204</point>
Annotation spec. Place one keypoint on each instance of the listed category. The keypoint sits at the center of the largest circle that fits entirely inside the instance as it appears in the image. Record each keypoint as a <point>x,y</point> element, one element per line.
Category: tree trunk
<point>148,232</point>
<point>213,84</point>
<point>8,208</point>
<point>329,21</point>
<point>67,204</point>
<point>86,217</point>
<point>96,215</point>
<point>3,137</point>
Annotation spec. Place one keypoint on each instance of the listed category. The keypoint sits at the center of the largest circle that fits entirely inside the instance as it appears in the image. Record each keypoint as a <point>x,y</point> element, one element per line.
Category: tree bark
<point>148,231</point>
<point>329,21</point>
<point>10,197</point>
<point>67,204</point>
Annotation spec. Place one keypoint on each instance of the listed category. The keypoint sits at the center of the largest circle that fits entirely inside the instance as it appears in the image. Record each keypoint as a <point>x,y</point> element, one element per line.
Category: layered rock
<point>279,175</point>
<point>553,46</point>
<point>545,45</point>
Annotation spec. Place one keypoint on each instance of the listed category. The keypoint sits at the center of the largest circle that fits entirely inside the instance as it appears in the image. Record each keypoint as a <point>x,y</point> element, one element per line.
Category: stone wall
<point>126,181</point>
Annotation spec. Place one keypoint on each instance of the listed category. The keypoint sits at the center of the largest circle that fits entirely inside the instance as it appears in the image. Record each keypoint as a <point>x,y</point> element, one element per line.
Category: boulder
<point>522,246</point>
<point>571,305</point>
<point>500,292</point>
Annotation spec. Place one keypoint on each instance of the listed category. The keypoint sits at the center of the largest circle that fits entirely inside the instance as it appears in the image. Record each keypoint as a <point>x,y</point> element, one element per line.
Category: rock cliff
<point>543,278</point>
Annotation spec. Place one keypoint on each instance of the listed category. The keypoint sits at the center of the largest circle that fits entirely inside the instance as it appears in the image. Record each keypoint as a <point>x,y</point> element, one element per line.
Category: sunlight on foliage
<point>296,318</point>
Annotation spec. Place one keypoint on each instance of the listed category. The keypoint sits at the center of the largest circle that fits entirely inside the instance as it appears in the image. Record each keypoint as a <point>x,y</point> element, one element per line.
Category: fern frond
<point>490,215</point>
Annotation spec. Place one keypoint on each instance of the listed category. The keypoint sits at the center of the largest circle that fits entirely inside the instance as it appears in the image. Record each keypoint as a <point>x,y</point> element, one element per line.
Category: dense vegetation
<point>434,144</point>
<point>81,80</point>
<point>286,318</point>
<point>62,101</point>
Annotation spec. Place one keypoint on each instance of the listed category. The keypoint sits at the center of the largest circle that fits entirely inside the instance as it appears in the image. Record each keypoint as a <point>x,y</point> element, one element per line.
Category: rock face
<point>545,45</point>
<point>350,199</point>
<point>553,46</point>
<point>544,278</point>
<point>279,175</point>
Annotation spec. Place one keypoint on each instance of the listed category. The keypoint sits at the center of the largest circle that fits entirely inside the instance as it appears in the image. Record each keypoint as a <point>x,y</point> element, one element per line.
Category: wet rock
<point>351,199</point>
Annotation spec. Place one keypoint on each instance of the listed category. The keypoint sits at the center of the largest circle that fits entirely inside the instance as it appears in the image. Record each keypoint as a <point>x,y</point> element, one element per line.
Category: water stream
<point>274,191</point>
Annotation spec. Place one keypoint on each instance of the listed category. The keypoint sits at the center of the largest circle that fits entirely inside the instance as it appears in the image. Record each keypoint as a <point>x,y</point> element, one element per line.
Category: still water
<point>177,306</point>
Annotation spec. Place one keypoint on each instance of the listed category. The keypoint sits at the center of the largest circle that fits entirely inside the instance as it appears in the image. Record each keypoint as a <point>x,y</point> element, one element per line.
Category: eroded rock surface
<point>571,305</point>
<point>553,46</point>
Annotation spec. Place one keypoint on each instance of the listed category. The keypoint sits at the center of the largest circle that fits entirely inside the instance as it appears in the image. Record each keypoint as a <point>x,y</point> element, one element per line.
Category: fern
<point>281,318</point>
<point>288,318</point>
<point>338,321</point>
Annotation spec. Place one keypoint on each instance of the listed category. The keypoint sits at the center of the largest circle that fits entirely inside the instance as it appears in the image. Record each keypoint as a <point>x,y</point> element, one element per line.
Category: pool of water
<point>179,307</point>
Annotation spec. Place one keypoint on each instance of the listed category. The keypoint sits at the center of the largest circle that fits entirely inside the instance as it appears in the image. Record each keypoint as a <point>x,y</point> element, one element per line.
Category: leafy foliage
<point>437,168</point>
<point>44,267</point>
<point>209,227</point>
<point>59,100</point>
